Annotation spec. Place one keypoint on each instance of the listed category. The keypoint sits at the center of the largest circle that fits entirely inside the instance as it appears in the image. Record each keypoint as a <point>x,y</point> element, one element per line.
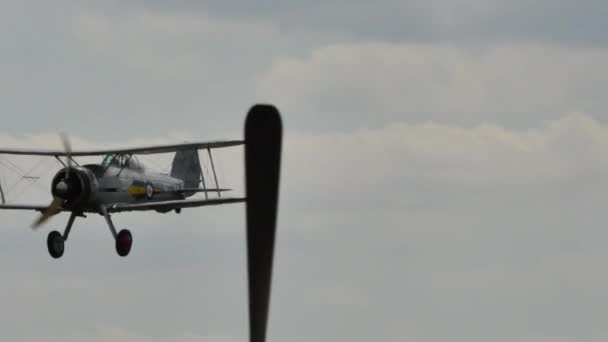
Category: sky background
<point>443,174</point>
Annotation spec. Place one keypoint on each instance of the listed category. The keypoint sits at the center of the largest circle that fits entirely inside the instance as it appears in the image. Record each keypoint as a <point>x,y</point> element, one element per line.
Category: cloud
<point>367,84</point>
<point>171,45</point>
<point>399,154</point>
<point>461,21</point>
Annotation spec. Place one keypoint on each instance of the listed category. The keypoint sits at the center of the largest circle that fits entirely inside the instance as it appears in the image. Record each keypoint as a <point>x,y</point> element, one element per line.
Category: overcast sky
<point>443,180</point>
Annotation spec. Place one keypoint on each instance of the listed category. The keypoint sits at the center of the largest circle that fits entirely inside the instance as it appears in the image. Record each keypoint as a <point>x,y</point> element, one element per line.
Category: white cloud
<point>368,83</point>
<point>402,154</point>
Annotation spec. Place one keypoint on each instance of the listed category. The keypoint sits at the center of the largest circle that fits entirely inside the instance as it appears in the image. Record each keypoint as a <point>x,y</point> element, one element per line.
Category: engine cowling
<point>76,185</point>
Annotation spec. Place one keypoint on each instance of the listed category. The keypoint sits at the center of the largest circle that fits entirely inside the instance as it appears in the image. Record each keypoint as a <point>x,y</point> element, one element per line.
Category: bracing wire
<point>205,168</point>
<point>26,174</point>
<point>22,175</point>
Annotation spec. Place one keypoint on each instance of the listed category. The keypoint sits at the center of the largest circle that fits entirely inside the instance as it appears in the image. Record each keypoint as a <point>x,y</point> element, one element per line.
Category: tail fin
<point>187,167</point>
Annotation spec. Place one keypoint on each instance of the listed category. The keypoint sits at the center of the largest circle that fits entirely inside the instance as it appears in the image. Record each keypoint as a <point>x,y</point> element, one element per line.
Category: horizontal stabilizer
<point>200,190</point>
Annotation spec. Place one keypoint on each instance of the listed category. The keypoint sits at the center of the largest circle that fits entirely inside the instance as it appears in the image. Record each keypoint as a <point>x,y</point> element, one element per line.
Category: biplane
<point>119,183</point>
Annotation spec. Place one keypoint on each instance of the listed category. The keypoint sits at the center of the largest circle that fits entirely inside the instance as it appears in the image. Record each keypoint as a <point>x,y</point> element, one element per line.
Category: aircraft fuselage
<point>107,185</point>
<point>134,186</point>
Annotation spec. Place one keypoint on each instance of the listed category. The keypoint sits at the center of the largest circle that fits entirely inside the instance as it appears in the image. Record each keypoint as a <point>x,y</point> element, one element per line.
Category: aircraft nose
<point>62,188</point>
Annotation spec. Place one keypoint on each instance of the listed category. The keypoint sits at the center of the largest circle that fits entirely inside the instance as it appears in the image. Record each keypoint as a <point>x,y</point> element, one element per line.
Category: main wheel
<point>124,241</point>
<point>55,244</point>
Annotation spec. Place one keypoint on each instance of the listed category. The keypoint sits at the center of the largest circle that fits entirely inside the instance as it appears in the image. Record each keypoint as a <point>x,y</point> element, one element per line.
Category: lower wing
<point>39,208</point>
<point>165,206</point>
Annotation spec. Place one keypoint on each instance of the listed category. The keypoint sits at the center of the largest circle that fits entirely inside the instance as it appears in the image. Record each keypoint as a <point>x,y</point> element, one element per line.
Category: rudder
<point>187,167</point>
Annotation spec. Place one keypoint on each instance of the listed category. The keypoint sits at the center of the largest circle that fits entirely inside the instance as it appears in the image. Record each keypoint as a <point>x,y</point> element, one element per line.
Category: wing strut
<point>2,194</point>
<point>204,186</point>
<point>217,186</point>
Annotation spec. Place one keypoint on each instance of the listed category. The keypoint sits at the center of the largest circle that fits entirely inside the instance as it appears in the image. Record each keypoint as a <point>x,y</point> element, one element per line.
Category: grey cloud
<point>54,80</point>
<point>369,84</point>
<point>108,72</point>
<point>465,21</point>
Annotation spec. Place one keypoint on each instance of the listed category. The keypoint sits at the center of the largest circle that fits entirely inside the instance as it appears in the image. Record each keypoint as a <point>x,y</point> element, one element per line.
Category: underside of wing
<point>136,150</point>
<point>39,208</point>
<point>166,206</point>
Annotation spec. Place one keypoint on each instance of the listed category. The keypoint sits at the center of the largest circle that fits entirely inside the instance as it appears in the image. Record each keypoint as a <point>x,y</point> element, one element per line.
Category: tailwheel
<point>55,244</point>
<point>124,241</point>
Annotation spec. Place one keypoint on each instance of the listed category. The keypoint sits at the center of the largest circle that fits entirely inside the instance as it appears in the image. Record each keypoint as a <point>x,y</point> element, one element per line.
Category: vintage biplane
<point>119,183</point>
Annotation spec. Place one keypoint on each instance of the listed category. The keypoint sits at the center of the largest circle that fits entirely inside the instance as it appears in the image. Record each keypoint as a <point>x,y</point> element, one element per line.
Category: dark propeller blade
<point>68,150</point>
<point>263,135</point>
<point>52,209</point>
<point>57,203</point>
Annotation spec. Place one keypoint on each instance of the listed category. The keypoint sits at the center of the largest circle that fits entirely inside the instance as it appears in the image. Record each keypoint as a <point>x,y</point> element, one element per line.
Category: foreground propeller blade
<point>263,135</point>
<point>68,150</point>
<point>51,210</point>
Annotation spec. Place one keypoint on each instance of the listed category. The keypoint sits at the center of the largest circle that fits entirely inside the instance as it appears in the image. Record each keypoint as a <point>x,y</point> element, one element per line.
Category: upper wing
<point>171,205</point>
<point>137,150</point>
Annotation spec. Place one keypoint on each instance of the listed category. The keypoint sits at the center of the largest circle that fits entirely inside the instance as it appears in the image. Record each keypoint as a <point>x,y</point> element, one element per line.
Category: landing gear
<point>55,244</point>
<point>124,241</point>
<point>55,241</point>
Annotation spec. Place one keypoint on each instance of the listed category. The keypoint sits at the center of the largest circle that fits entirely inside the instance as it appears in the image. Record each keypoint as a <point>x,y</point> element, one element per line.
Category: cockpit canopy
<point>128,161</point>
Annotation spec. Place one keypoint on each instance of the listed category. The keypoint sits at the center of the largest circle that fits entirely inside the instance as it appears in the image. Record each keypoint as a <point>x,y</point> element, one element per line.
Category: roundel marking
<point>149,191</point>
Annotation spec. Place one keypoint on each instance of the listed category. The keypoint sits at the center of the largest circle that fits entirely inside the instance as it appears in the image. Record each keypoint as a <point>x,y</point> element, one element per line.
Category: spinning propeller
<point>61,190</point>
